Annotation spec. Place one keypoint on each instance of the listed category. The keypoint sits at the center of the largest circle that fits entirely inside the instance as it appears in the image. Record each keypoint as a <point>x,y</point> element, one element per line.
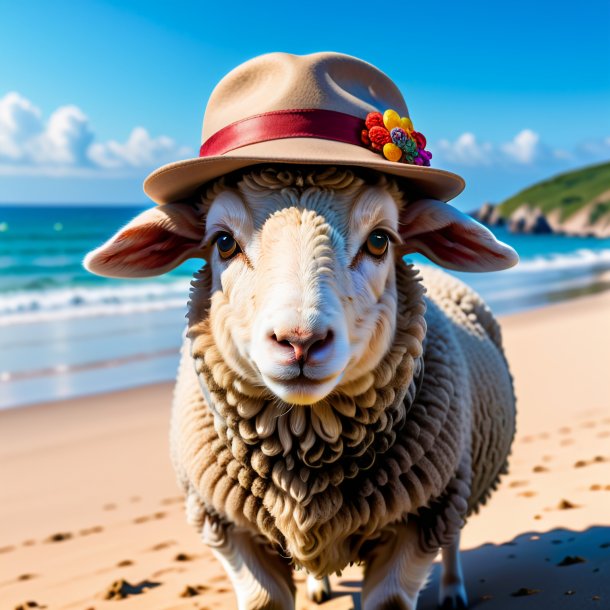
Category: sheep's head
<point>302,268</point>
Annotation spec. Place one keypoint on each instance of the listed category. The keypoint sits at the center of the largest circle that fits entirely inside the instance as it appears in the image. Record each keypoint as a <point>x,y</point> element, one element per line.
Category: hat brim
<point>177,181</point>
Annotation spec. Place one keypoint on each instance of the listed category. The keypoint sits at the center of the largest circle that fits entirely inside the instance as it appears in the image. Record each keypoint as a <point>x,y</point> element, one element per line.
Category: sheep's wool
<point>319,482</point>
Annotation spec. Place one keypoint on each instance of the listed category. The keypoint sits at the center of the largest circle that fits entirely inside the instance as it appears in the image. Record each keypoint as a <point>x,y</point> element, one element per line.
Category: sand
<point>88,498</point>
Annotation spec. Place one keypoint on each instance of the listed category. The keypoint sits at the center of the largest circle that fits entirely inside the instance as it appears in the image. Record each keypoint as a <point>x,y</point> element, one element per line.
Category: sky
<point>96,94</point>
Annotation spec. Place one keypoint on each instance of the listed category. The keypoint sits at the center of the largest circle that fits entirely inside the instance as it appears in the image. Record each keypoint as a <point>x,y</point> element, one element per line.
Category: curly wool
<point>319,482</point>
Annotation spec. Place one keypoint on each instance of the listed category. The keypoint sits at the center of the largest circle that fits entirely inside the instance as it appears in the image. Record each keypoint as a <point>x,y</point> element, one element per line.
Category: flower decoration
<point>395,137</point>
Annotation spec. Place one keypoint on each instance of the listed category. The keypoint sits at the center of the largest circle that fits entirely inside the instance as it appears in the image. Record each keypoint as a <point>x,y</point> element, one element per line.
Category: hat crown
<point>281,81</point>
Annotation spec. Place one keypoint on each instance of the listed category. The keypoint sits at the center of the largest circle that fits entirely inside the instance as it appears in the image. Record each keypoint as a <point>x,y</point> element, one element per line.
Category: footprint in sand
<point>124,563</point>
<point>193,590</point>
<point>183,557</point>
<point>518,483</point>
<point>169,501</point>
<point>566,505</point>
<point>145,518</point>
<point>524,591</point>
<point>163,545</point>
<point>26,576</point>
<point>142,519</point>
<point>121,589</point>
<point>96,529</point>
<point>570,560</point>
<point>59,537</point>
<point>527,494</point>
<point>540,469</point>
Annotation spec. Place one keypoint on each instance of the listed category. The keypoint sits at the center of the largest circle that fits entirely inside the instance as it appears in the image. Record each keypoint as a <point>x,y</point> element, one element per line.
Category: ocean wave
<point>559,261</point>
<point>46,302</point>
<point>63,303</point>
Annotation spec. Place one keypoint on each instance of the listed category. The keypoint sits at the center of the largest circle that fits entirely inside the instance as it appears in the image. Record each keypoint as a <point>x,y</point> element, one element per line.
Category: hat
<point>306,110</point>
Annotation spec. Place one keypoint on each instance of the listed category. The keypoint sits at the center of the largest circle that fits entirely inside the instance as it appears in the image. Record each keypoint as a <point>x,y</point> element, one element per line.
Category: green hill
<point>568,193</point>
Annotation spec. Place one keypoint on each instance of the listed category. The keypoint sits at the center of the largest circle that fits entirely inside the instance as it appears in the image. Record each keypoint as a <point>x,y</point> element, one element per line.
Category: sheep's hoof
<point>454,598</point>
<point>318,590</point>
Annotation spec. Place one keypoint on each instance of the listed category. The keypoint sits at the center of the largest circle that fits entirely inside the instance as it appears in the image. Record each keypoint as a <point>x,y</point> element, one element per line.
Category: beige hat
<point>309,110</point>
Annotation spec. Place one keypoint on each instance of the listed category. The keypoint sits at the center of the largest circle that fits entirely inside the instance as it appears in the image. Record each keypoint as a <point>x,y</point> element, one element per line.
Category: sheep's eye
<point>227,246</point>
<point>377,243</point>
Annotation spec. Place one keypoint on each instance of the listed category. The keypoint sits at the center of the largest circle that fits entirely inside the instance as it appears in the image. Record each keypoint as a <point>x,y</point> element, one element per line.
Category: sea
<point>65,332</point>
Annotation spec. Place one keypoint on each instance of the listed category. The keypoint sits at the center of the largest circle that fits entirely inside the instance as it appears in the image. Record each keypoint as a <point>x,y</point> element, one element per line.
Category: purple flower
<point>399,137</point>
<point>423,157</point>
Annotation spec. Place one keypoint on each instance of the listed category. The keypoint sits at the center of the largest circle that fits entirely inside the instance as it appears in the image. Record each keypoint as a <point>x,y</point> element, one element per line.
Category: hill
<point>573,203</point>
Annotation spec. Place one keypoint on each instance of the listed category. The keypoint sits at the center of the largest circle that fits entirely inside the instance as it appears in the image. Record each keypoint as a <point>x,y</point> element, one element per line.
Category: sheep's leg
<point>260,577</point>
<point>452,593</point>
<point>318,589</point>
<point>396,570</point>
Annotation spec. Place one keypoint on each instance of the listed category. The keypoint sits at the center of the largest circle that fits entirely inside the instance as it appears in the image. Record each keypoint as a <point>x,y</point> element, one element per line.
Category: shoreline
<point>79,375</point>
<point>88,496</point>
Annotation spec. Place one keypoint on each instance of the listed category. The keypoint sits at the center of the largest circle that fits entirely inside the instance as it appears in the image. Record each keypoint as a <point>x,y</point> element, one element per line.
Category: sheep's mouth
<point>301,389</point>
<point>302,379</point>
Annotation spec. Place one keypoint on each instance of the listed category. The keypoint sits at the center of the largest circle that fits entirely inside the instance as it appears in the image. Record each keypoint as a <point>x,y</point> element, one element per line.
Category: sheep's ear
<point>452,239</point>
<point>154,242</point>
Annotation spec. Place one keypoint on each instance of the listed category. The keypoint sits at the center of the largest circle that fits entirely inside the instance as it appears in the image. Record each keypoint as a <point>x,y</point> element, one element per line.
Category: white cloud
<point>64,144</point>
<point>140,150</point>
<point>599,148</point>
<point>466,150</point>
<point>562,154</point>
<point>19,121</point>
<point>523,148</point>
<point>65,140</point>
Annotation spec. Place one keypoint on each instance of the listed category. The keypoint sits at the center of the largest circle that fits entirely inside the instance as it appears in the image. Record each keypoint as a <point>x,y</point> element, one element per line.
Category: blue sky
<point>94,95</point>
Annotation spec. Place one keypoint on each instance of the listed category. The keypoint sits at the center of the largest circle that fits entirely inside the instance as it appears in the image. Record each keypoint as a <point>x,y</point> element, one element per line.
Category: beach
<point>88,497</point>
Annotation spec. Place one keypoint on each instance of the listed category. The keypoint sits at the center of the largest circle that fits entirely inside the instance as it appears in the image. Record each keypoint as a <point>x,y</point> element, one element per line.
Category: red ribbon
<point>280,124</point>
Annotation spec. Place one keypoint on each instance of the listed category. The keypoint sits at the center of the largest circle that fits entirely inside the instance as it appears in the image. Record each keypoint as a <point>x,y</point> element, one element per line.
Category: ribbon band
<point>281,124</point>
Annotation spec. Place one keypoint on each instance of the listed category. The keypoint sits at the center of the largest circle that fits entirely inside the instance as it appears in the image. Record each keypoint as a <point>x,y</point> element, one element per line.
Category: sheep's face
<point>303,287</point>
<point>302,293</point>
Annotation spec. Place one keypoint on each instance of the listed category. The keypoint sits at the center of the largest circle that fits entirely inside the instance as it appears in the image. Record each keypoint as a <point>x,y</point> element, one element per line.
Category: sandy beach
<point>88,497</point>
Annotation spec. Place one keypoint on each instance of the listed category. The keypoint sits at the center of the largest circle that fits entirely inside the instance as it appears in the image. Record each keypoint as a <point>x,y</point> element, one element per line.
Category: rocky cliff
<point>574,203</point>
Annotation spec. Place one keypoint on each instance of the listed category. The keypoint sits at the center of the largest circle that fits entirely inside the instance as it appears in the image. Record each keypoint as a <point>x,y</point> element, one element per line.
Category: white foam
<point>62,303</point>
<point>26,306</point>
<point>557,262</point>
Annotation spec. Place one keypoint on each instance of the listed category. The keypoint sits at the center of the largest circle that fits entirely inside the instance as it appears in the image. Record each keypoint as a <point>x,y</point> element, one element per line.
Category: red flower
<point>379,136</point>
<point>374,119</point>
<point>364,136</point>
<point>419,138</point>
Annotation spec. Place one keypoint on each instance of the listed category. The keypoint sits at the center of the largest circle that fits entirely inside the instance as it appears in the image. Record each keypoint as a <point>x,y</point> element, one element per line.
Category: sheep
<point>329,409</point>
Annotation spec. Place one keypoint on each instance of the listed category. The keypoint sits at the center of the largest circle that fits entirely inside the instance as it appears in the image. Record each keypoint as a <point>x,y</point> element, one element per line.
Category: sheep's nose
<point>303,344</point>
